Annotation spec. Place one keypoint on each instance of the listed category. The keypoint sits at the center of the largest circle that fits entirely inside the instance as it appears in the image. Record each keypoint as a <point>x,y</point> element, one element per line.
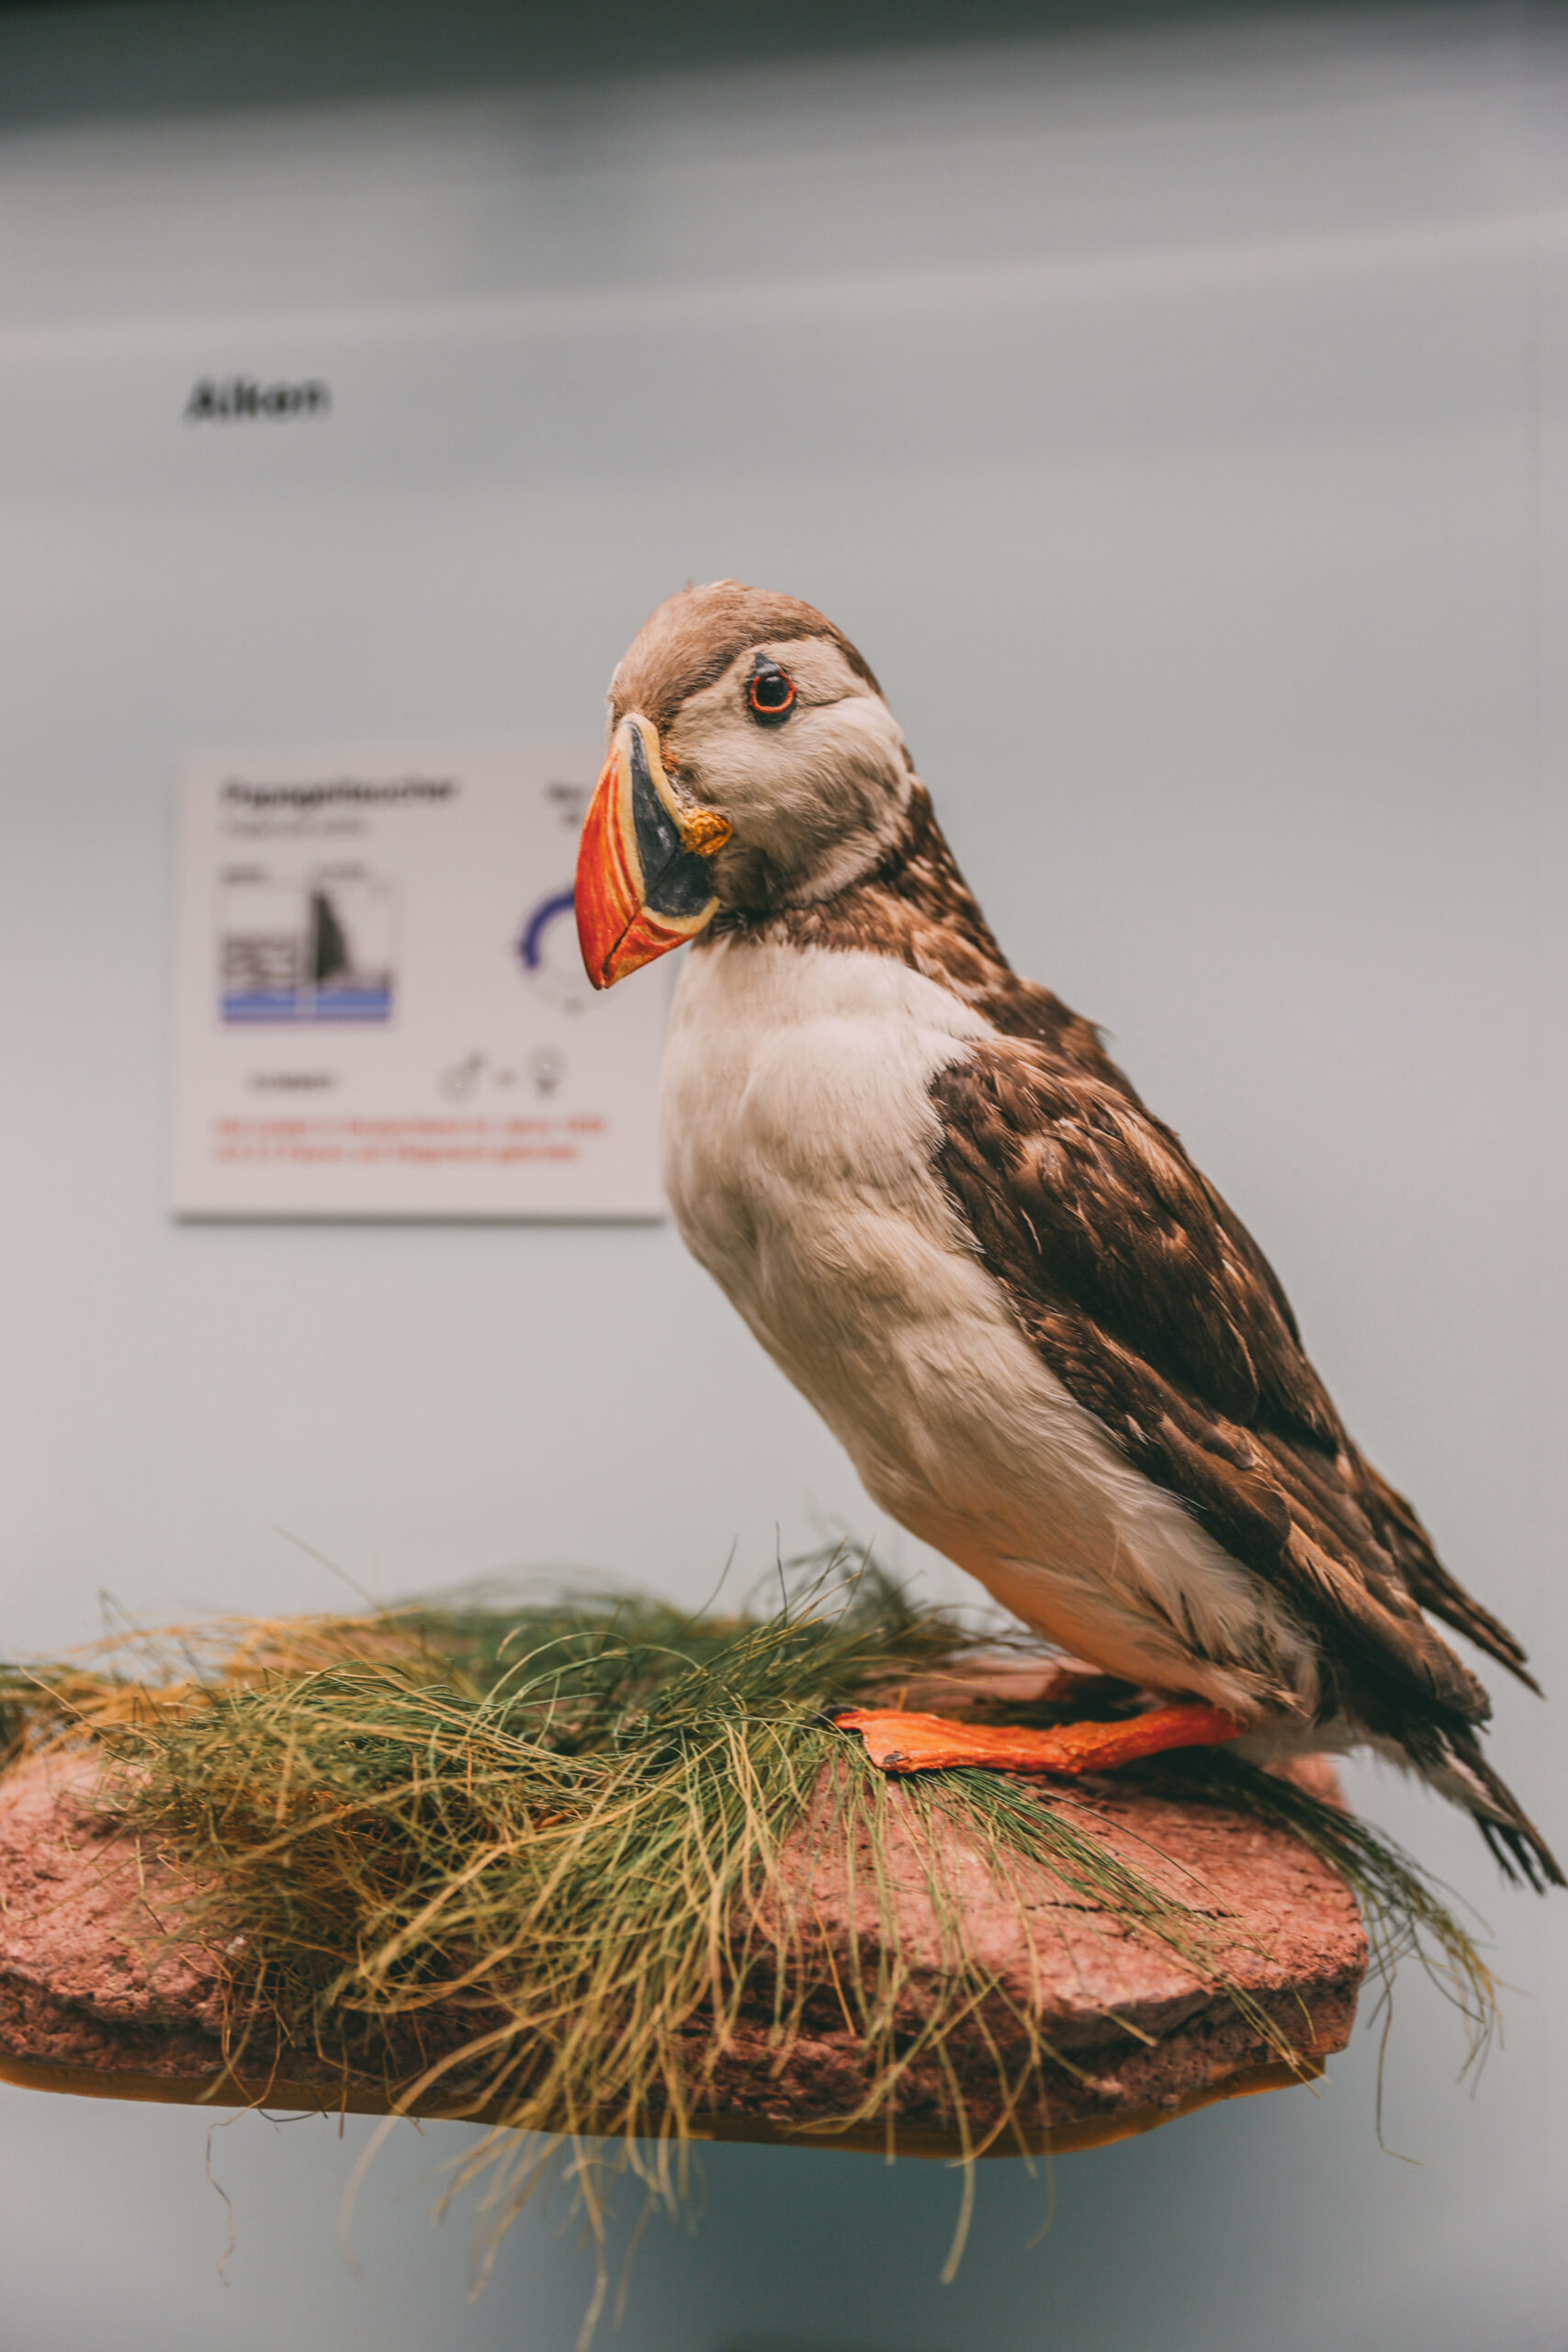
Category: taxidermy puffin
<point>1049,1347</point>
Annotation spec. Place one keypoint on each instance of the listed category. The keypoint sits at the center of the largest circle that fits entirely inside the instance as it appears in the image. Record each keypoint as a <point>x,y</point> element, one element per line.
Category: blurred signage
<point>237,399</point>
<point>379,1006</point>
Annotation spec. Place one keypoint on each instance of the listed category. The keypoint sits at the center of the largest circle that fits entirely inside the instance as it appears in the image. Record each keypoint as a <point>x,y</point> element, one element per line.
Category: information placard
<point>380,1010</point>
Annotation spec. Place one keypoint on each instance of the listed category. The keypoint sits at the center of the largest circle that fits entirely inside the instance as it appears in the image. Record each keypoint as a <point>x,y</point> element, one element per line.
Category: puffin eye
<point>771,693</point>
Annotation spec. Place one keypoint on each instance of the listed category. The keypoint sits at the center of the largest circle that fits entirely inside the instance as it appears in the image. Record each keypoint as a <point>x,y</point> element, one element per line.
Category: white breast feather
<point>796,1134</point>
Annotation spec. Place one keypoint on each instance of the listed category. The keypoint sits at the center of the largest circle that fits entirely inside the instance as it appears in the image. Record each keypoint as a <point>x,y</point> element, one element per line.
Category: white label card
<point>380,1010</point>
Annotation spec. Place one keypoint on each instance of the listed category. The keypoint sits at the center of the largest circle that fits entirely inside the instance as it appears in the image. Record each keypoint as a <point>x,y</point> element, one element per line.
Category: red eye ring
<point>771,693</point>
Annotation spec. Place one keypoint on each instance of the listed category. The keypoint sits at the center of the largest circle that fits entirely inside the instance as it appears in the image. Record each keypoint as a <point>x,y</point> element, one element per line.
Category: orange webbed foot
<point>908,1743</point>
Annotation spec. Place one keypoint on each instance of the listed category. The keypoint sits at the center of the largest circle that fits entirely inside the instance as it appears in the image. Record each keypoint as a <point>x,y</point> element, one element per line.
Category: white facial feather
<point>798,1136</point>
<point>814,800</point>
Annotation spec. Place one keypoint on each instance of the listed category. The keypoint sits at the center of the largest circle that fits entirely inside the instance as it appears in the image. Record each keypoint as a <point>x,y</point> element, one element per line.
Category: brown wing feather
<point>1153,1304</point>
<point>1442,1595</point>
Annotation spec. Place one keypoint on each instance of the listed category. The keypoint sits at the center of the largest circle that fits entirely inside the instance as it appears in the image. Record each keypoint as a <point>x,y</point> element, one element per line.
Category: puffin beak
<point>643,881</point>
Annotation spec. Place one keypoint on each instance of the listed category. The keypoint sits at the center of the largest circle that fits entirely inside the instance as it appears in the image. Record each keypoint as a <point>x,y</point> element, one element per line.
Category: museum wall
<point>1175,416</point>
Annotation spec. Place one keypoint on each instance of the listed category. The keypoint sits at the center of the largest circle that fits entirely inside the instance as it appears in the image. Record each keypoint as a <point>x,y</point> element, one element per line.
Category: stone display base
<point>98,1995</point>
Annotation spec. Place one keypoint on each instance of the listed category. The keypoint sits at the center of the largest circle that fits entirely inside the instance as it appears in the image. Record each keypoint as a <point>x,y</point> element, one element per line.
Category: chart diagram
<point>311,946</point>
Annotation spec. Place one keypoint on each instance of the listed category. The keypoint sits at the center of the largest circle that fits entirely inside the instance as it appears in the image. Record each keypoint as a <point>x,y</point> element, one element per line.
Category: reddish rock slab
<point>99,1994</point>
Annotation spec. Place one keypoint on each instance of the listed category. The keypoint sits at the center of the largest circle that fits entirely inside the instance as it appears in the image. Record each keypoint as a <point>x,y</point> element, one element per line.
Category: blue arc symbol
<point>530,946</point>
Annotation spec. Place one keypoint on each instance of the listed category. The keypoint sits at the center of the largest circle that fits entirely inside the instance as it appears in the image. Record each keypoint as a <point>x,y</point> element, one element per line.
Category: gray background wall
<point>1175,413</point>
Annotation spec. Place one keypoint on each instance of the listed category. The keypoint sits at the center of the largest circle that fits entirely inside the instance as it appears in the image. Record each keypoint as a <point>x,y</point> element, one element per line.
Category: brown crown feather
<point>690,640</point>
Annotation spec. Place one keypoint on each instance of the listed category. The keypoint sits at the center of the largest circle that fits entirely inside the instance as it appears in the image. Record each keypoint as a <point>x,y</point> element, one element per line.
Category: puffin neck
<point>911,904</point>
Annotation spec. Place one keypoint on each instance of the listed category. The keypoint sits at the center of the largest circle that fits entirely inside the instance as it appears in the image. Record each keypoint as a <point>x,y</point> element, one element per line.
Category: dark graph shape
<point>329,941</point>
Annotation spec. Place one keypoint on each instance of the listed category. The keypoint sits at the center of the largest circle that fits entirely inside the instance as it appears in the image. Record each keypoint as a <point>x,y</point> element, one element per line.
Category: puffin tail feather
<point>1521,1852</point>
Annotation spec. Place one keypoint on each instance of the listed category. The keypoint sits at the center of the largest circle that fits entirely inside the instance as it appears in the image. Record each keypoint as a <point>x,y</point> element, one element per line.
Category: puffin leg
<point>905,1743</point>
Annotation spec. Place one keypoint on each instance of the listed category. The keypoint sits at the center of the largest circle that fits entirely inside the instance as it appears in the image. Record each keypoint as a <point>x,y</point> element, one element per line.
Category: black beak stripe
<point>676,882</point>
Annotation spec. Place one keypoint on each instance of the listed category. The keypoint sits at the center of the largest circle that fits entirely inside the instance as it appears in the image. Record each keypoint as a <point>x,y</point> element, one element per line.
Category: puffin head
<point>753,764</point>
